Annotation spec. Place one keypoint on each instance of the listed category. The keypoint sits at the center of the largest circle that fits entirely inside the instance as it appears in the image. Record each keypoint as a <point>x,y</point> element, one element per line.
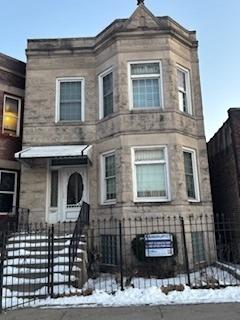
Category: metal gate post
<point>3,252</point>
<point>121,255</point>
<point>52,263</point>
<point>185,252</point>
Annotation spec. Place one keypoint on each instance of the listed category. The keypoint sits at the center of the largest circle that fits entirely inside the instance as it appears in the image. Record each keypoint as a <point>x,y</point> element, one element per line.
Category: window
<point>7,190</point>
<point>70,99</point>
<point>106,93</point>
<point>109,249</point>
<point>74,189</point>
<point>11,115</point>
<point>184,96</point>
<point>145,85</point>
<point>198,246</point>
<point>150,174</point>
<point>190,168</point>
<point>54,188</point>
<point>109,177</point>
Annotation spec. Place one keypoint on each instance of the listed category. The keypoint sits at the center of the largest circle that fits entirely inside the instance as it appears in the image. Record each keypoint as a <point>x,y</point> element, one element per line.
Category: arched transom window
<point>74,189</point>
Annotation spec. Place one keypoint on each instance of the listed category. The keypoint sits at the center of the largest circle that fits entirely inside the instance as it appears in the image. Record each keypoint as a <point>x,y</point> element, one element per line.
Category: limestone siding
<point>142,37</point>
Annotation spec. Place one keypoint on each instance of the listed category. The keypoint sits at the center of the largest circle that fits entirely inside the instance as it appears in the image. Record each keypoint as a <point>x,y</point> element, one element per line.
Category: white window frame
<point>100,88</point>
<point>15,187</point>
<point>195,174</point>
<point>188,90</point>
<point>134,174</point>
<point>19,113</point>
<point>103,185</point>
<point>70,79</point>
<point>130,86</point>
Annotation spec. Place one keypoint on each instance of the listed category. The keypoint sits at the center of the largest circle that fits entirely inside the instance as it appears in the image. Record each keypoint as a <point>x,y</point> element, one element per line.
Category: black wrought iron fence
<point>43,260</point>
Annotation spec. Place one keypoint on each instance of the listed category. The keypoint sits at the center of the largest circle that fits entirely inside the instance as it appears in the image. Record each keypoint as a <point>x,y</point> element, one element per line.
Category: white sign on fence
<point>159,245</point>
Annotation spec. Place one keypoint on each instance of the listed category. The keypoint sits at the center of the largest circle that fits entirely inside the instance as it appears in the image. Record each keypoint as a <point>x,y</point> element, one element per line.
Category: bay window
<point>145,85</point>
<point>106,93</point>
<point>184,92</point>
<point>191,177</point>
<point>150,174</point>
<point>108,178</point>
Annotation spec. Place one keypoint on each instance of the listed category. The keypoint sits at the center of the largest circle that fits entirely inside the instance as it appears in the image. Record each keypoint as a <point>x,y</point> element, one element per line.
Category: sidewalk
<point>229,311</point>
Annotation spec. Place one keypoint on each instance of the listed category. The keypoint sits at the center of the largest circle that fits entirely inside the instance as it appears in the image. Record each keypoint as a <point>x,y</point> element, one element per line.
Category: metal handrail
<point>82,220</point>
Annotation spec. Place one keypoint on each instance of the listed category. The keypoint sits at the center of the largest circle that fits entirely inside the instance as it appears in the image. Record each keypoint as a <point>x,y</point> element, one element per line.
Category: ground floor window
<point>54,188</point>
<point>150,174</point>
<point>191,176</point>
<point>109,249</point>
<point>198,246</point>
<point>8,184</point>
<point>108,177</point>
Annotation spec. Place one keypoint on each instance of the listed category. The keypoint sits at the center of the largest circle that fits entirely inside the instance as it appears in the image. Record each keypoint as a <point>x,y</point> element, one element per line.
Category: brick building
<point>12,85</point>
<point>224,165</point>
<point>115,120</point>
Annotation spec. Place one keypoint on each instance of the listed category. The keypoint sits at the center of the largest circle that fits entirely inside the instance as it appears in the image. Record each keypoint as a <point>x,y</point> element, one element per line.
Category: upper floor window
<point>191,176</point>
<point>145,85</point>
<point>11,115</point>
<point>106,93</point>
<point>70,99</point>
<point>150,174</point>
<point>108,177</point>
<point>184,92</point>
<point>7,190</point>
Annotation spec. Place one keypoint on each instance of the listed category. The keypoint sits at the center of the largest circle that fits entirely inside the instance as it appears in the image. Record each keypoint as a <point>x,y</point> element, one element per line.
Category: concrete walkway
<point>229,311</point>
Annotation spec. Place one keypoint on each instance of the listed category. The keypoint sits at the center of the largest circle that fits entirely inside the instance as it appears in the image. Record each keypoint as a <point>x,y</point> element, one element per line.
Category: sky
<point>217,23</point>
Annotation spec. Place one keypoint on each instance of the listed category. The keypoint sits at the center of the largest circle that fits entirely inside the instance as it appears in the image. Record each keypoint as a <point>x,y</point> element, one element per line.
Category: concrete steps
<point>27,266</point>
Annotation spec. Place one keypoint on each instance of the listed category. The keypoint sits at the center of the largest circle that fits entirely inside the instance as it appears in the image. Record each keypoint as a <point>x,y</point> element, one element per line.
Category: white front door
<point>73,193</point>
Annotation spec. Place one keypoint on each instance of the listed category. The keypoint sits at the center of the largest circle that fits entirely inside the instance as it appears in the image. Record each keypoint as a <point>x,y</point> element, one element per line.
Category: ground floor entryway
<point>68,188</point>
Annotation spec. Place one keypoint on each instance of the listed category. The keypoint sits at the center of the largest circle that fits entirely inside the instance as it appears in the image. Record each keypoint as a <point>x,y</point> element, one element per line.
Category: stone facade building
<point>12,84</point>
<point>115,120</point>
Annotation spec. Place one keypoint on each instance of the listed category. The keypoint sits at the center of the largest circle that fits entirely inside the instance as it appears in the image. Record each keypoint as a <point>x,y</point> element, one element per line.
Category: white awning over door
<point>51,152</point>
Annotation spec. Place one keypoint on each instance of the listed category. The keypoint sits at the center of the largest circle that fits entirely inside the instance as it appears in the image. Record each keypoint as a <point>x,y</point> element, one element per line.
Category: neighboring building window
<point>184,93</point>
<point>54,188</point>
<point>190,168</point>
<point>7,190</point>
<point>70,99</point>
<point>106,93</point>
<point>151,174</point>
<point>11,115</point>
<point>109,177</point>
<point>198,247</point>
<point>109,249</point>
<point>145,83</point>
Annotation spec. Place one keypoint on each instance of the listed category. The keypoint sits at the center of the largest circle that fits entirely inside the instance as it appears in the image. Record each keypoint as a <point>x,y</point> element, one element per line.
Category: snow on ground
<point>149,296</point>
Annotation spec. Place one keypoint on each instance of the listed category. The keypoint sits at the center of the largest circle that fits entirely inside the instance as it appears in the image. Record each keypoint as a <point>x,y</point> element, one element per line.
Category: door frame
<point>56,214</point>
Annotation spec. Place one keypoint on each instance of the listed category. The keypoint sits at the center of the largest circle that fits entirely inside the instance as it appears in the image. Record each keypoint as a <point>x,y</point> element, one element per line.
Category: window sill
<point>9,136</point>
<point>108,117</point>
<point>189,115</point>
<point>152,201</point>
<point>194,201</point>
<point>69,122</point>
<point>146,110</point>
<point>109,203</point>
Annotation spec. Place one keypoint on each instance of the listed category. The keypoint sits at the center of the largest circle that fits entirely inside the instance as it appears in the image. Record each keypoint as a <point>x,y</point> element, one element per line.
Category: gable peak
<point>142,18</point>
